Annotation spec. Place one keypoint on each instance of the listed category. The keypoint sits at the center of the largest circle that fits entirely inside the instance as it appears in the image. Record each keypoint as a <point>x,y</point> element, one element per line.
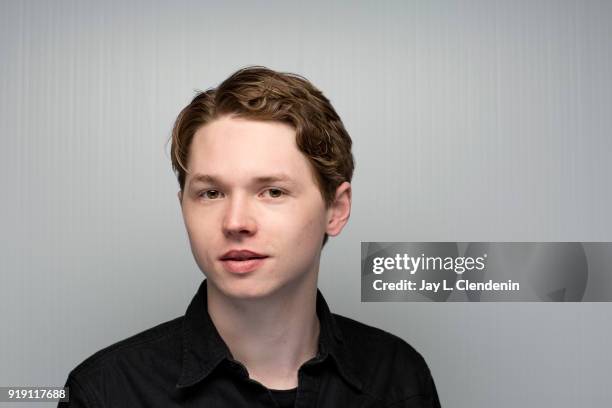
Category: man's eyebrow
<point>212,179</point>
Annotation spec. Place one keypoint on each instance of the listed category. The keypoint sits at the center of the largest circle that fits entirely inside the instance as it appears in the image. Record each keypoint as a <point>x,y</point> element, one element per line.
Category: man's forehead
<point>259,152</point>
<point>267,147</point>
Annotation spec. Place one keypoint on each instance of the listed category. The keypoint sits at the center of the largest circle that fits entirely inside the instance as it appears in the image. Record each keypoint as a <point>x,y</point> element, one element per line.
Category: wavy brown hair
<point>259,93</point>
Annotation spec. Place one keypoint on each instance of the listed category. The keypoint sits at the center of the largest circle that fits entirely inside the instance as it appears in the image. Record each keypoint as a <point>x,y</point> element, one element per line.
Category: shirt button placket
<point>308,389</point>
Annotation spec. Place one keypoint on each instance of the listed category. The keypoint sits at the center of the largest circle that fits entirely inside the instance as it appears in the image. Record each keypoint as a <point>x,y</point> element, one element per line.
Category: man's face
<point>250,188</point>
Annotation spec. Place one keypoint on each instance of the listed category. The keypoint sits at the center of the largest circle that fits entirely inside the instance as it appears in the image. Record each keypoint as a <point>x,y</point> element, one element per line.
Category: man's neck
<point>271,336</point>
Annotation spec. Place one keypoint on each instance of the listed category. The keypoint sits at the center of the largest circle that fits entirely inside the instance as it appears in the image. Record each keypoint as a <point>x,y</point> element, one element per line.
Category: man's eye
<point>215,194</point>
<point>275,192</point>
<point>210,194</point>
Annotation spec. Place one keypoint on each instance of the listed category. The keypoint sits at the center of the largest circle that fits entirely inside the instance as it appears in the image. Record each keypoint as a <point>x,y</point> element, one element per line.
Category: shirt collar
<point>204,349</point>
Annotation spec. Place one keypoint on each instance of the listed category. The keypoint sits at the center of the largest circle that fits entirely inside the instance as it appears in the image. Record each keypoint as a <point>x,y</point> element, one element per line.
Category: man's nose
<point>238,218</point>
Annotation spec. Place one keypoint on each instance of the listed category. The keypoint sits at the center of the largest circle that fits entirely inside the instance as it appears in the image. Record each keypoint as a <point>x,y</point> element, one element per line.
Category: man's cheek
<point>201,243</point>
<point>311,233</point>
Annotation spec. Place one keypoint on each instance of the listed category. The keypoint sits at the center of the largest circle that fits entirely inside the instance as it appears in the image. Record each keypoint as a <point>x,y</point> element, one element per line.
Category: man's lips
<point>243,265</point>
<point>241,255</point>
<point>242,260</point>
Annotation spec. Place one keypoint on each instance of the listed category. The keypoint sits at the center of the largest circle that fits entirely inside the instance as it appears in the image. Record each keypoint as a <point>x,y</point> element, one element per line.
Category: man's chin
<point>246,289</point>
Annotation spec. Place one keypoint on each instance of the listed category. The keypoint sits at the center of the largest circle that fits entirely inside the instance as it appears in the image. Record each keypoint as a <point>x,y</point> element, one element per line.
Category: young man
<point>264,166</point>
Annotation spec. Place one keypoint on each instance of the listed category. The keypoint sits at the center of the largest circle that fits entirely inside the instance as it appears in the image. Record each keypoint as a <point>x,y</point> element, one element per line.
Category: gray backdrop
<point>472,121</point>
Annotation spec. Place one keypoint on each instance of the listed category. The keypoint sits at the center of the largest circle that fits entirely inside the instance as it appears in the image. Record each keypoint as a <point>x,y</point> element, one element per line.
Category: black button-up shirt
<point>185,363</point>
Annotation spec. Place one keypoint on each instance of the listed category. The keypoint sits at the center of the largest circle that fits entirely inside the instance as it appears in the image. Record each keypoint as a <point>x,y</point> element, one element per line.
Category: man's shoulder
<point>363,337</point>
<point>389,368</point>
<point>162,341</point>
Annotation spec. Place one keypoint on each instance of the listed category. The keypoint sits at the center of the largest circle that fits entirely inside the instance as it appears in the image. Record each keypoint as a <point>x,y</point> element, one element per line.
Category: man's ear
<point>340,211</point>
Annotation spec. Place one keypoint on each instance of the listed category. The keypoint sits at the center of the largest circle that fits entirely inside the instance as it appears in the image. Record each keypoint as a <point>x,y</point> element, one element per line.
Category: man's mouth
<point>241,255</point>
<point>242,261</point>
